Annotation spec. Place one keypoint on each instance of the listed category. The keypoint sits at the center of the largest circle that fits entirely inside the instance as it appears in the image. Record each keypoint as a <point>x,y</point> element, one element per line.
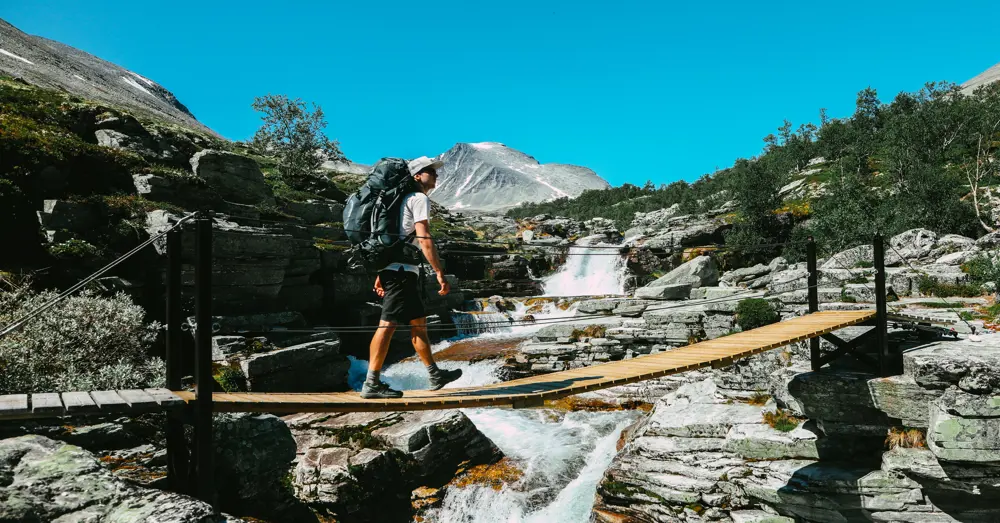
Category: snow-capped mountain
<point>50,64</point>
<point>490,176</point>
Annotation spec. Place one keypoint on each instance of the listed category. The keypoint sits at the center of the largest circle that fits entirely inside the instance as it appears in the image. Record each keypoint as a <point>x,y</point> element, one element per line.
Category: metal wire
<point>20,322</point>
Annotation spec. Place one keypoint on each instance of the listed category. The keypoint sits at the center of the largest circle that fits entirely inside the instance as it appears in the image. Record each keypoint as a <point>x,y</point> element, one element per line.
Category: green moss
<point>74,249</point>
<point>231,378</point>
<point>357,436</point>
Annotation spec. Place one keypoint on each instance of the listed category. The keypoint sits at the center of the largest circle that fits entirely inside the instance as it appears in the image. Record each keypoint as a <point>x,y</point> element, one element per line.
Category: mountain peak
<point>489,176</point>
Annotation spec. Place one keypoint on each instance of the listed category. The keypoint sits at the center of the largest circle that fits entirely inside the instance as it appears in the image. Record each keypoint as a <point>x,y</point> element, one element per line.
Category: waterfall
<point>562,455</point>
<point>472,323</point>
<point>590,269</point>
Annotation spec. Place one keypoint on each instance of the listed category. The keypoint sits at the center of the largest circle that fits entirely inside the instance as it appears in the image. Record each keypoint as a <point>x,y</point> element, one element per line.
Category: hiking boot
<point>443,377</point>
<point>379,390</point>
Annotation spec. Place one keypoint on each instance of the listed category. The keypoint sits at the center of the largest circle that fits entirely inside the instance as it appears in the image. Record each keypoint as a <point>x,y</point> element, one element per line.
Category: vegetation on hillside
<point>925,159</point>
<point>85,342</point>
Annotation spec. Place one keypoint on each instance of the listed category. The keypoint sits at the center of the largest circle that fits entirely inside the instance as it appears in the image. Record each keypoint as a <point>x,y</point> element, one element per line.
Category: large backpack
<point>372,218</point>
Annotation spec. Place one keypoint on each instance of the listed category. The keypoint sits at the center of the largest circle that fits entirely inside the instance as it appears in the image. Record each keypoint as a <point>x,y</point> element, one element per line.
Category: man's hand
<point>444,284</point>
<point>378,287</point>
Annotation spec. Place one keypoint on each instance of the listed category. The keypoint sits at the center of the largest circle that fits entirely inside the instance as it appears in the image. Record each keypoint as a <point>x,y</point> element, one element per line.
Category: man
<point>398,286</point>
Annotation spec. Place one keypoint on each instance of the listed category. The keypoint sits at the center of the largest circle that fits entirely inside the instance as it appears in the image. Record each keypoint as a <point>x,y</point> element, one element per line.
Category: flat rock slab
<point>966,364</point>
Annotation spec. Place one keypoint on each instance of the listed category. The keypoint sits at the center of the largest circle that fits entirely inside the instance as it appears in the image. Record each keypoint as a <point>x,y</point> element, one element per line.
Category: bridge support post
<point>204,470</point>
<point>881,328</point>
<point>177,464</point>
<point>814,353</point>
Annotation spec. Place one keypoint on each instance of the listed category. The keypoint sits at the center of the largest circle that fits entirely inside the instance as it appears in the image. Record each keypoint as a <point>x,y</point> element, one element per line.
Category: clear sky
<point>634,90</point>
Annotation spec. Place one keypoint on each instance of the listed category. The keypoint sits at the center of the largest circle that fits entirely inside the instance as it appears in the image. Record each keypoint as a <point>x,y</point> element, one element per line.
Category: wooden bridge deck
<point>526,392</point>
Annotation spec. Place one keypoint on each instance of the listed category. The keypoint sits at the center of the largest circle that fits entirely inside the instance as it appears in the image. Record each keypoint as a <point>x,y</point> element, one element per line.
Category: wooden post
<point>204,382</point>
<point>814,354</point>
<point>177,454</point>
<point>881,336</point>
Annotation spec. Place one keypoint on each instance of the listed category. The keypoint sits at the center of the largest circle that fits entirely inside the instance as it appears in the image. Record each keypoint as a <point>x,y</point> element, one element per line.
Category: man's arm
<point>423,231</point>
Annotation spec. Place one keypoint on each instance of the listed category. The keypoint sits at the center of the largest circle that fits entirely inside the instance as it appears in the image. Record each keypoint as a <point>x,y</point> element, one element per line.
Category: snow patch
<point>558,192</point>
<point>464,185</point>
<point>145,80</point>
<point>135,84</point>
<point>485,146</point>
<point>459,205</point>
<point>78,77</point>
<point>14,56</point>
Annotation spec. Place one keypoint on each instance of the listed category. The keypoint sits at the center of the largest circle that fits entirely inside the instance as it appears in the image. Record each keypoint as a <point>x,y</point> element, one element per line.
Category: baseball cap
<point>417,164</point>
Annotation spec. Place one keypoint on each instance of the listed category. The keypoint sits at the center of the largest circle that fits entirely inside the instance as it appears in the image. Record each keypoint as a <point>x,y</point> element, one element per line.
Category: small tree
<point>294,135</point>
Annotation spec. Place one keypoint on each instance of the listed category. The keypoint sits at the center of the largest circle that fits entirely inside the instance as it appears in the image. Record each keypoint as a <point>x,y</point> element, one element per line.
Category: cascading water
<point>590,269</point>
<point>562,455</point>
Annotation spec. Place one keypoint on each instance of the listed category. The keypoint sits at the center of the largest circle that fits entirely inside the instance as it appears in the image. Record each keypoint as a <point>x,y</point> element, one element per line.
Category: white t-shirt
<point>415,207</point>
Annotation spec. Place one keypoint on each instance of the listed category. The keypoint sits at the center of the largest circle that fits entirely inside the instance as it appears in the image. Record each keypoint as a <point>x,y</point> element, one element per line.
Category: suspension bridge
<point>196,407</point>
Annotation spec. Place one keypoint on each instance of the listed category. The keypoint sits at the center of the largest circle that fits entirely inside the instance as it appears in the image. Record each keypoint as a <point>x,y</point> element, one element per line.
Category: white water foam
<point>563,461</point>
<point>588,275</point>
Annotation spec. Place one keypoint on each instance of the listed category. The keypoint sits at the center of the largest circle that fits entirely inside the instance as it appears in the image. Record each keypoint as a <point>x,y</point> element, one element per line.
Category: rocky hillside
<point>986,77</point>
<point>490,176</point>
<point>47,63</point>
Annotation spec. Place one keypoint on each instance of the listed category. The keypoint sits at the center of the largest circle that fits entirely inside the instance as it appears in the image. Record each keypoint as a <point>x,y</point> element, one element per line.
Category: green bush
<point>83,343</point>
<point>931,287</point>
<point>983,269</point>
<point>752,313</point>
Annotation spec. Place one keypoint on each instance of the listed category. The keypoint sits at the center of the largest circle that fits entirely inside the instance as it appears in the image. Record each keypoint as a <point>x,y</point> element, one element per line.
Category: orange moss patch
<point>781,420</point>
<point>575,403</point>
<point>798,209</point>
<point>905,438</point>
<point>694,252</point>
<point>758,399</point>
<point>495,476</point>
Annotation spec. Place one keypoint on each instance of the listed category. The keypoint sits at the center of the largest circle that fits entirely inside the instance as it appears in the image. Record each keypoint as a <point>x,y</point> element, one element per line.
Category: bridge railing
<point>879,364</point>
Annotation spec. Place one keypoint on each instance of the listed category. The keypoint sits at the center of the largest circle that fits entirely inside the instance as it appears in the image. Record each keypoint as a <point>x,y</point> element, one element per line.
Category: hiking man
<point>398,285</point>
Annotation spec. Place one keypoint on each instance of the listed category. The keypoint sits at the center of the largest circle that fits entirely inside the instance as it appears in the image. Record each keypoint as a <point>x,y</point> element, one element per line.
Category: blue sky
<point>634,90</point>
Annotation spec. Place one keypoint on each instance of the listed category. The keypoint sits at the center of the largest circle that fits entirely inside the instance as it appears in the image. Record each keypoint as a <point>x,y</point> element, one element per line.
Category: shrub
<point>781,420</point>
<point>759,398</point>
<point>931,287</point>
<point>983,269</point>
<point>83,343</point>
<point>752,313</point>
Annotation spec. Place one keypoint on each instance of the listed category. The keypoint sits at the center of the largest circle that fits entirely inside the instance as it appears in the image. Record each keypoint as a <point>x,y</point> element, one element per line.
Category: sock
<point>433,369</point>
<point>373,376</point>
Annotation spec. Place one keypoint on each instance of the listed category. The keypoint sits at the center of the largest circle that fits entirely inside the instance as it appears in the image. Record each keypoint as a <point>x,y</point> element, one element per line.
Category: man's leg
<point>379,347</point>
<point>421,345</point>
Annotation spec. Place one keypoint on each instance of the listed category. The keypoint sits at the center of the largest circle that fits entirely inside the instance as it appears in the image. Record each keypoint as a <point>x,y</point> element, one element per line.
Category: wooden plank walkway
<point>533,391</point>
<point>49,405</point>
<point>526,392</point>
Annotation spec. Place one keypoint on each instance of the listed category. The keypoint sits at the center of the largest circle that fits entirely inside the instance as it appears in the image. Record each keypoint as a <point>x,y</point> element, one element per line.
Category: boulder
<point>72,216</point>
<point>965,428</point>
<point>314,366</point>
<point>675,291</point>
<point>852,258</point>
<point>254,454</point>
<point>900,397</point>
<point>699,272</point>
<point>363,466</point>
<point>964,364</point>
<point>913,244</point>
<point>235,177</point>
<point>46,480</point>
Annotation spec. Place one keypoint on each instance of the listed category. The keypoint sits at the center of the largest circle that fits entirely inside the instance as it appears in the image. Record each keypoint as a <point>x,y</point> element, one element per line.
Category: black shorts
<point>402,301</point>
